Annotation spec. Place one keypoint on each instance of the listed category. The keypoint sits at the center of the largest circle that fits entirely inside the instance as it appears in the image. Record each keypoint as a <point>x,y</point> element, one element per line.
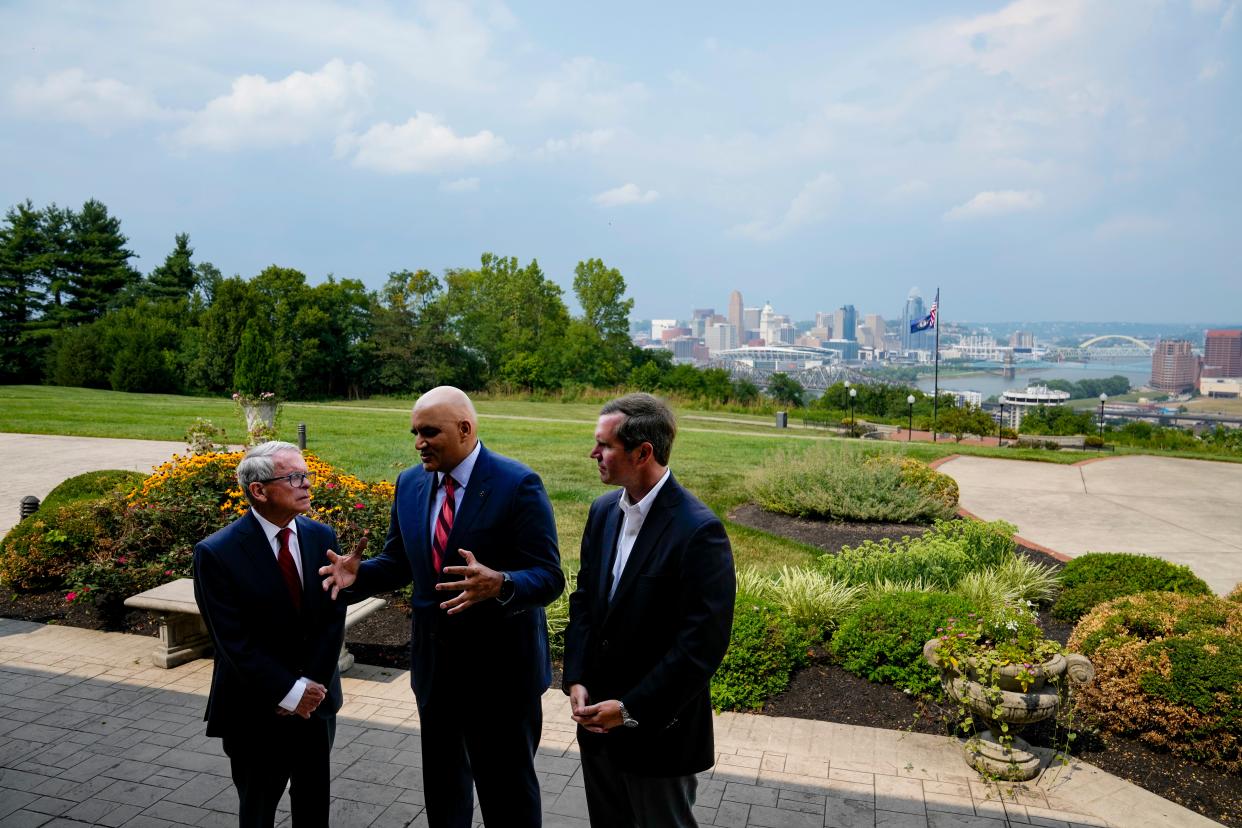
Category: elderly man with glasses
<point>275,689</point>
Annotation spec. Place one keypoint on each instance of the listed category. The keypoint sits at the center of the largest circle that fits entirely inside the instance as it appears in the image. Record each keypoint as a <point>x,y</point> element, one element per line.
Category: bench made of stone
<point>183,635</point>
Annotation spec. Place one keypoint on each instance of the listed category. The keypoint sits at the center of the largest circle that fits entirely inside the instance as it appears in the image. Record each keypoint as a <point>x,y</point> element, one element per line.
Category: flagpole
<point>936,386</point>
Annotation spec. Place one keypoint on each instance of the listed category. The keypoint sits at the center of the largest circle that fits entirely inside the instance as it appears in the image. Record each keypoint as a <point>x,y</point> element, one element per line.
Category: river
<point>1036,373</point>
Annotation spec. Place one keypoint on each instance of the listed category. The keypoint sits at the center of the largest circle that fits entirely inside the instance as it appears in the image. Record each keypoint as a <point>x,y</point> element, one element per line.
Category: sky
<point>1039,159</point>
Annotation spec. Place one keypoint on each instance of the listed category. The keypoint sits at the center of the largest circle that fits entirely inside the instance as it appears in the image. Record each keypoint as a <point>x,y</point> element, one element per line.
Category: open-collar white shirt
<point>633,517</point>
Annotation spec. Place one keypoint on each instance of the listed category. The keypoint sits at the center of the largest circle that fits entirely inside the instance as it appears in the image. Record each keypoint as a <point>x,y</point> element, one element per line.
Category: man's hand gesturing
<point>343,569</point>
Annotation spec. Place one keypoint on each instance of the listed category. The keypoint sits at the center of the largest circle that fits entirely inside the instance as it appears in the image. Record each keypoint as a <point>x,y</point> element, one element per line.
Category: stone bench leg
<point>345,660</point>
<point>183,637</point>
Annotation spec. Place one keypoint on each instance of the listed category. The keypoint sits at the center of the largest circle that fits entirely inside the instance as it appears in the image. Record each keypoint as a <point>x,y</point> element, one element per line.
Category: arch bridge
<point>1137,343</point>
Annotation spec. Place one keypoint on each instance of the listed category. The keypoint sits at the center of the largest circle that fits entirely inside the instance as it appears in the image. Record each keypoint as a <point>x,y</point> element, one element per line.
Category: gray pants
<point>617,799</point>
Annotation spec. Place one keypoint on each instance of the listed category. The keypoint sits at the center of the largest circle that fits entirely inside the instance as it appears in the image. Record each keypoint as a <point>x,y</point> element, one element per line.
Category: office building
<point>1022,339</point>
<point>845,323</point>
<point>721,336</point>
<point>913,311</point>
<point>1015,404</point>
<point>659,326</point>
<point>1174,366</point>
<point>737,311</point>
<point>1222,354</point>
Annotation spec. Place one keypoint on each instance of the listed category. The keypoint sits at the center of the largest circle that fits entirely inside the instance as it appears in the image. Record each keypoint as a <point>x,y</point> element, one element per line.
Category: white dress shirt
<point>294,696</point>
<point>461,478</point>
<point>633,517</point>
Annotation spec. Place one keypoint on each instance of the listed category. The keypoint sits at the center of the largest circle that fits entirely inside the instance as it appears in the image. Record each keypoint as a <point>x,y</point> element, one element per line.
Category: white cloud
<point>996,203</point>
<point>581,141</point>
<point>812,205</point>
<point>423,144</point>
<point>99,103</point>
<point>296,109</point>
<point>461,185</point>
<point>1211,70</point>
<point>625,194</point>
<point>585,89</point>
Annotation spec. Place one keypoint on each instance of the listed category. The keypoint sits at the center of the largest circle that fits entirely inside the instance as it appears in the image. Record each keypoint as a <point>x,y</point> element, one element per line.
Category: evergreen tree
<point>255,370</point>
<point>21,293</point>
<point>176,278</point>
<point>98,268</point>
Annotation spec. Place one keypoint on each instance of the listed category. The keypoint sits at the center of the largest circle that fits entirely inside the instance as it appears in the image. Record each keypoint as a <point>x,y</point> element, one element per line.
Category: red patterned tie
<point>289,569</point>
<point>444,522</point>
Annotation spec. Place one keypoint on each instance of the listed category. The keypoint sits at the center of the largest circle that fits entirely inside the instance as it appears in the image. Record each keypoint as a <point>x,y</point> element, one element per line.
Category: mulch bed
<point>821,691</point>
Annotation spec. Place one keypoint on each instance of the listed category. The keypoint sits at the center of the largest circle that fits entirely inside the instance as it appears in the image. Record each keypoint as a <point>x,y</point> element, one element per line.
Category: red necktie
<point>289,569</point>
<point>444,522</point>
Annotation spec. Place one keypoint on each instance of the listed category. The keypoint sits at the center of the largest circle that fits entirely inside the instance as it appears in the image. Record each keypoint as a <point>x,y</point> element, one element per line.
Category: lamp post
<point>853,394</point>
<point>910,426</point>
<point>1000,428</point>
<point>1103,399</point>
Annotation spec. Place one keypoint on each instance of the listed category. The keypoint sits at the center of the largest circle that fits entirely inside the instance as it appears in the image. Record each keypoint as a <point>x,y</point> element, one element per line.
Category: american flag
<point>927,322</point>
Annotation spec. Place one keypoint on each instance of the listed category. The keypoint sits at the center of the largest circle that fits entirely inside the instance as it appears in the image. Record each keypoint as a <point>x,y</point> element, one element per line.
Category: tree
<point>22,252</point>
<point>176,278</point>
<point>598,343</point>
<point>256,369</point>
<point>97,266</point>
<point>966,419</point>
<point>786,390</point>
<point>233,303</point>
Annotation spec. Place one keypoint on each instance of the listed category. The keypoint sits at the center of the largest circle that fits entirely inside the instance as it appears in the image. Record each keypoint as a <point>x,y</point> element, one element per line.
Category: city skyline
<point>1075,159</point>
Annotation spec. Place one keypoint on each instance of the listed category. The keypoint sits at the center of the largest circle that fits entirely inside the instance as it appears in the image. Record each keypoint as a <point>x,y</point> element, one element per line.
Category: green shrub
<point>557,614</point>
<point>938,560</point>
<point>1169,671</point>
<point>835,483</point>
<point>93,485</point>
<point>882,639</point>
<point>765,648</point>
<point>753,584</point>
<point>1097,577</point>
<point>1018,580</point>
<point>42,550</point>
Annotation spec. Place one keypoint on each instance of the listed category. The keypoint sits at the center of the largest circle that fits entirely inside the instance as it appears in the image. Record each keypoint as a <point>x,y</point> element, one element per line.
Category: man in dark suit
<point>473,531</point>
<point>275,689</point>
<point>648,625</point>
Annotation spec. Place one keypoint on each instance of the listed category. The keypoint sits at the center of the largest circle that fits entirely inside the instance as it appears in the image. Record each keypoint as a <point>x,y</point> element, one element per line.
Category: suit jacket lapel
<point>308,549</point>
<point>475,496</point>
<point>657,521</point>
<point>608,548</point>
<point>417,501</point>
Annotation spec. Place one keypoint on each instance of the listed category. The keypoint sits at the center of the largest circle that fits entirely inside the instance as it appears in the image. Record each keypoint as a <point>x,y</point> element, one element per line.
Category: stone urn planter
<point>262,412</point>
<point>999,752</point>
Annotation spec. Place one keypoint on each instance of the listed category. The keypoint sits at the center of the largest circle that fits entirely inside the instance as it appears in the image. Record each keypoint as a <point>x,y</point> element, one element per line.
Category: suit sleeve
<point>391,568</point>
<point>322,663</point>
<point>536,573</point>
<point>708,587</point>
<point>579,628</point>
<point>217,596</point>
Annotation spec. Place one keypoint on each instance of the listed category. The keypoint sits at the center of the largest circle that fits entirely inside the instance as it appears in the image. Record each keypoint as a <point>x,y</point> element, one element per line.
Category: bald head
<point>445,427</point>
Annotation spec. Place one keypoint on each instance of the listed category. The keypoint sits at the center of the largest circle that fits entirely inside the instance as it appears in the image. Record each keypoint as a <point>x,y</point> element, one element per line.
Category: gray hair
<point>648,419</point>
<point>259,464</point>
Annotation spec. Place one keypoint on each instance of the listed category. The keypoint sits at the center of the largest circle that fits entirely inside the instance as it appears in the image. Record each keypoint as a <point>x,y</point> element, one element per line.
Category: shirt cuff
<point>294,696</point>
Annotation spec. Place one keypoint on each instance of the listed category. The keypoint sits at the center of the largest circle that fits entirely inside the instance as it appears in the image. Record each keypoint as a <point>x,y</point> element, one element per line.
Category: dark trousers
<point>464,742</point>
<point>619,799</point>
<point>289,751</point>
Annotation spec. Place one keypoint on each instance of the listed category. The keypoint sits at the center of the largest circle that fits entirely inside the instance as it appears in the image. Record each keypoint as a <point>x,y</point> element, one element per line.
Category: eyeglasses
<point>297,480</point>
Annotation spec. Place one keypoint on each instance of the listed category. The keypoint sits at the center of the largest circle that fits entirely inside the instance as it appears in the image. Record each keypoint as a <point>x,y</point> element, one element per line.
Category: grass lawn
<point>713,455</point>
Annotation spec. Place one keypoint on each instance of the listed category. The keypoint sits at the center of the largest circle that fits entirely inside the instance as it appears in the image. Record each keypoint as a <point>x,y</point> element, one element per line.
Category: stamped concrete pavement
<point>1185,511</point>
<point>92,734</point>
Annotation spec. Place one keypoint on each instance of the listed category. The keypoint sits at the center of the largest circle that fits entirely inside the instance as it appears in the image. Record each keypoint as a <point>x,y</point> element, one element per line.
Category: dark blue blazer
<point>263,644</point>
<point>656,645</point>
<point>505,519</point>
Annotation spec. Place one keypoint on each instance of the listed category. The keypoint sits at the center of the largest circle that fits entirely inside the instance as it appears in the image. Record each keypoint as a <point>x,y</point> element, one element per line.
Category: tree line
<point>75,311</point>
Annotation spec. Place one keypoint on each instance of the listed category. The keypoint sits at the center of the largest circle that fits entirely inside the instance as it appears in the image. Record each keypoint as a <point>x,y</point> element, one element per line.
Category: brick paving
<point>92,734</point>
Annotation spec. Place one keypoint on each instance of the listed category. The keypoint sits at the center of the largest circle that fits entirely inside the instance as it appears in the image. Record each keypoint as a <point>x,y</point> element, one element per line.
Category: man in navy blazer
<point>275,687</point>
<point>483,567</point>
<point>649,624</point>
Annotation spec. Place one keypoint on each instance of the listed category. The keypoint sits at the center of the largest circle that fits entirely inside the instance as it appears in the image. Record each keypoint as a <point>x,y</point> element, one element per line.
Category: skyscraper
<point>736,310</point>
<point>845,323</point>
<point>912,311</point>
<point>1222,354</point>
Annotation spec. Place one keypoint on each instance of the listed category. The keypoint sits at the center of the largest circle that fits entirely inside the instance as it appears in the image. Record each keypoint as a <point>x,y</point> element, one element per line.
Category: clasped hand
<point>312,697</point>
<point>596,718</point>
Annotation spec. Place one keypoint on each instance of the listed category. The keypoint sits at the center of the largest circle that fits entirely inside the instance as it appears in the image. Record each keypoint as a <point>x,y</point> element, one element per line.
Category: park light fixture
<point>1103,399</point>
<point>910,425</point>
<point>853,394</point>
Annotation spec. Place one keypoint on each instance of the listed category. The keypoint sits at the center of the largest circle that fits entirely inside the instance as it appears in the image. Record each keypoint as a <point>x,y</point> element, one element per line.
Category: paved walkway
<point>92,734</point>
<point>1185,511</point>
<point>34,464</point>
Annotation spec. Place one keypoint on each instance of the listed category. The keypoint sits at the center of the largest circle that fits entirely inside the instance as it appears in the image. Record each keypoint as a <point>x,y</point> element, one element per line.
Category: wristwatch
<point>506,588</point>
<point>626,718</point>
